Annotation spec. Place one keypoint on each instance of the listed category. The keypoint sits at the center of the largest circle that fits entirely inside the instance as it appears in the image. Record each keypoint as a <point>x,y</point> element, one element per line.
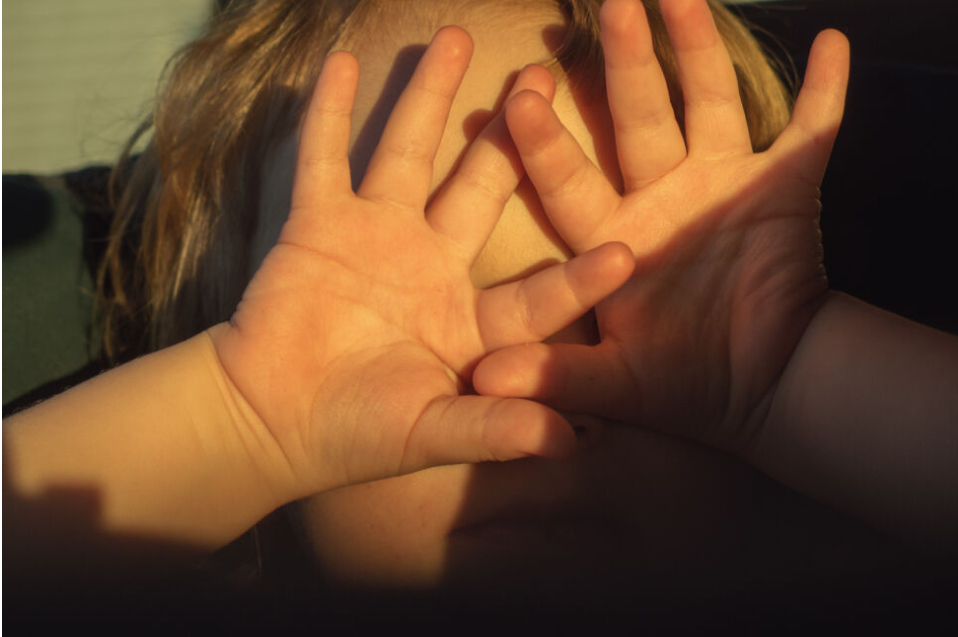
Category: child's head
<point>212,190</point>
<point>190,207</point>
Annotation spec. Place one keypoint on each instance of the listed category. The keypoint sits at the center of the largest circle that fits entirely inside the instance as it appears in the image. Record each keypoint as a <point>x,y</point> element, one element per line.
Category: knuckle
<point>332,109</point>
<point>492,448</point>
<point>714,99</point>
<point>433,91</point>
<point>318,163</point>
<point>526,312</point>
<point>484,183</point>
<point>567,184</point>
<point>410,153</point>
<point>644,122</point>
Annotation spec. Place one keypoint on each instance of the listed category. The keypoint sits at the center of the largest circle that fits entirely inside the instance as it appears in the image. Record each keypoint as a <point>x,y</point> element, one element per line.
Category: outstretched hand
<point>354,342</point>
<point>727,245</point>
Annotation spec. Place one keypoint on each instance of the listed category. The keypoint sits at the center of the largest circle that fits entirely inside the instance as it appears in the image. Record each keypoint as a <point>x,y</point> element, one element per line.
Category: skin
<point>727,333</point>
<point>718,232</point>
<point>650,490</point>
<point>346,360</point>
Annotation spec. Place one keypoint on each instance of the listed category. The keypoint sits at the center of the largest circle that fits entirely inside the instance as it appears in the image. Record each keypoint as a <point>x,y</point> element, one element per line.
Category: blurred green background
<point>78,75</point>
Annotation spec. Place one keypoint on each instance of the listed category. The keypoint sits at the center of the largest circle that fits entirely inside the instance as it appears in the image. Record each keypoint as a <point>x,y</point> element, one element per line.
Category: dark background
<point>890,194</point>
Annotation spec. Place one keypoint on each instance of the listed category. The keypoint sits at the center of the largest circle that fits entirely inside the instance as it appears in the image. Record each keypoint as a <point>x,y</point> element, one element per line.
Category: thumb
<point>575,378</point>
<point>469,429</point>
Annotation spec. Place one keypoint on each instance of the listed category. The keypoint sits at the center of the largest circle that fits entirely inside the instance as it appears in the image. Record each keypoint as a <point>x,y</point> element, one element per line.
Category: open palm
<point>727,245</point>
<point>353,339</point>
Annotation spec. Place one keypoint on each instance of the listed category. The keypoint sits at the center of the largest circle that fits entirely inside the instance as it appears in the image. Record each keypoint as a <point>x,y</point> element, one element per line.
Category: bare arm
<point>865,418</point>
<point>159,450</point>
<point>343,363</point>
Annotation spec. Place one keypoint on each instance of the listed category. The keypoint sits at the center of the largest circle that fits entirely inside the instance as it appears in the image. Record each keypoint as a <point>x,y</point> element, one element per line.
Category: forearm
<point>159,450</point>
<point>865,418</point>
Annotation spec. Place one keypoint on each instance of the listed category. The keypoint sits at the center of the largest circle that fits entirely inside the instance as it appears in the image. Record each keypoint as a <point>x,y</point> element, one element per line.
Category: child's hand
<point>351,343</point>
<point>729,257</point>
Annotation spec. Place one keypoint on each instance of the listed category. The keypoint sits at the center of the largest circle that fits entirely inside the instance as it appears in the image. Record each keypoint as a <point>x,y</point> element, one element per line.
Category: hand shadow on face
<point>369,135</point>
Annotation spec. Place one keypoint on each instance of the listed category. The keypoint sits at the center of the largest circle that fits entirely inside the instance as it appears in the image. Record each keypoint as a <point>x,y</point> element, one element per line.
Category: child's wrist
<point>767,414</point>
<point>779,404</point>
<point>258,453</point>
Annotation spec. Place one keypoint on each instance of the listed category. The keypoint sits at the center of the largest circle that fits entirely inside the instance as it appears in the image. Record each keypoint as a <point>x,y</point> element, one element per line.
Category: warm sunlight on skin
<point>647,490</point>
<point>503,45</point>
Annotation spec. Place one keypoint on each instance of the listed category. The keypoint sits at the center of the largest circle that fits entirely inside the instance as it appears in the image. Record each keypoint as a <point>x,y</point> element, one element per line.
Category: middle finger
<point>400,169</point>
<point>647,137</point>
<point>714,118</point>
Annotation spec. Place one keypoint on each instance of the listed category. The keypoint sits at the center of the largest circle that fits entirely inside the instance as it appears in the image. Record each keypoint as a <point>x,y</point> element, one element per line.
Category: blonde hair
<point>187,208</point>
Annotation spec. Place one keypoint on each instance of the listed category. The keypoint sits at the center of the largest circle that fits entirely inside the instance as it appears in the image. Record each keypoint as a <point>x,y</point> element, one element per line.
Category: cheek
<point>522,242</point>
<point>385,532</point>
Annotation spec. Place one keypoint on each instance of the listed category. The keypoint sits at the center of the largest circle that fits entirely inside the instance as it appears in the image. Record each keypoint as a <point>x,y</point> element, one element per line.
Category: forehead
<point>503,45</point>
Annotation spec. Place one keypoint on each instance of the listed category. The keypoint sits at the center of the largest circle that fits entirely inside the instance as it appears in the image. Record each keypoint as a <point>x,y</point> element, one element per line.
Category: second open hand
<point>726,240</point>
